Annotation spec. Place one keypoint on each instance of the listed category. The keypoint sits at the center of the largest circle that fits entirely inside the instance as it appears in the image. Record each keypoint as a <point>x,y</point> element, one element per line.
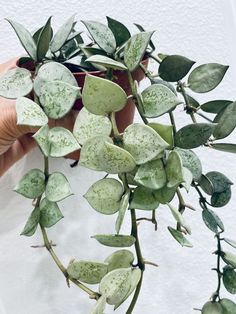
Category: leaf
<point>32,184</point>
<point>188,178</point>
<point>173,68</point>
<point>115,240</point>
<point>50,213</point>
<point>57,187</point>
<point>32,223</point>
<point>143,143</point>
<point>174,170</point>
<point>151,174</point>
<point>135,49</point>
<point>88,125</point>
<point>62,142</point>
<point>88,272</point>
<point>165,131</point>
<point>194,135</point>
<point>193,102</point>
<point>191,161</point>
<point>219,180</point>
<point>221,199</point>
<point>229,259</point>
<point>212,308</point>
<point>29,113</point>
<point>122,210</point>
<point>100,305</point>
<point>143,198</point>
<point>25,38</point>
<point>106,62</point>
<point>158,100</point>
<point>119,259</point>
<point>101,96</point>
<point>164,194</point>
<point>179,237</point>
<point>38,32</point>
<point>215,106</point>
<point>53,71</point>
<point>229,307</point>
<point>57,98</point>
<point>229,279</point>
<point>162,82</point>
<point>119,30</point>
<point>62,34</point>
<point>15,83</point>
<point>227,122</point>
<point>102,35</point>
<point>206,77</point>
<point>224,147</point>
<point>41,137</point>
<point>230,242</point>
<point>105,196</point>
<point>212,220</point>
<point>206,185</point>
<point>43,40</point>
<point>179,218</point>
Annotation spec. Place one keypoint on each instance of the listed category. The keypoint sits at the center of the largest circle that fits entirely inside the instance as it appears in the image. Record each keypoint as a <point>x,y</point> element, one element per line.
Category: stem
<point>172,120</point>
<point>217,293</point>
<point>157,59</point>
<point>189,108</point>
<point>136,294</point>
<point>114,125</point>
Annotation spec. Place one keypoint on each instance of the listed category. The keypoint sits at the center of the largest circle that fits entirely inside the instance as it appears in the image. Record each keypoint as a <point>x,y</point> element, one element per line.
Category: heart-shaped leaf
<point>32,223</point>
<point>165,194</point>
<point>227,122</point>
<point>119,30</point>
<point>120,259</point>
<point>188,178</point>
<point>229,307</point>
<point>29,113</point>
<point>32,185</point>
<point>212,220</point>
<point>212,308</point>
<point>106,62</point>
<point>179,237</point>
<point>229,279</point>
<point>174,170</point>
<point>157,100</point>
<point>143,143</point>
<point>206,77</point>
<point>41,137</point>
<point>25,38</point>
<point>141,29</point>
<point>50,213</point>
<point>173,68</point>
<point>15,83</point>
<point>102,35</point>
<point>144,198</point>
<point>88,272</point>
<point>179,218</point>
<point>101,96</point>
<point>44,39</point>
<point>165,131</point>
<point>88,125</point>
<point>219,181</point>
<point>57,187</point>
<point>222,198</point>
<point>62,142</point>
<point>122,210</point>
<point>135,49</point>
<point>115,240</point>
<point>206,185</point>
<point>215,106</point>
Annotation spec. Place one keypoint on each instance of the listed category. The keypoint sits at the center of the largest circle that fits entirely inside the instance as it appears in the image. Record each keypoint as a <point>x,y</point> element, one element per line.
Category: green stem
<point>219,252</point>
<point>114,124</point>
<point>157,59</point>
<point>136,294</point>
<point>172,120</point>
<point>189,108</point>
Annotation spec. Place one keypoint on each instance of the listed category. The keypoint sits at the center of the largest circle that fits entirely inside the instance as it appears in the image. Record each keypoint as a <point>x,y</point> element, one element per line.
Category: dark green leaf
<point>191,161</point>
<point>226,122</point>
<point>229,258</point>
<point>165,194</point>
<point>229,307</point>
<point>229,279</point>
<point>215,106</point>
<point>225,147</point>
<point>212,220</point>
<point>178,236</point>
<point>221,199</point>
<point>219,180</point>
<point>44,40</point>
<point>119,30</point>
<point>206,185</point>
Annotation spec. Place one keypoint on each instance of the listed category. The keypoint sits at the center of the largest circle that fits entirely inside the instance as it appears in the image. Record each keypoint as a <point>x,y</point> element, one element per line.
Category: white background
<point>202,30</point>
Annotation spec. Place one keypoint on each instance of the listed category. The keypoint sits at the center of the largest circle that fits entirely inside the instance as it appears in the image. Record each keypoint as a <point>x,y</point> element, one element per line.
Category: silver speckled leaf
<point>122,210</point>
<point>41,137</point>
<point>50,213</point>
<point>115,240</point>
<point>106,62</point>
<point>120,259</point>
<point>57,187</point>
<point>174,170</point>
<point>32,223</point>
<point>144,198</point>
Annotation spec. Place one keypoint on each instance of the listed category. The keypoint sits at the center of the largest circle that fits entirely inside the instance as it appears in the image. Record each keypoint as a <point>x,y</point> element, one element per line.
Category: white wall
<point>29,281</point>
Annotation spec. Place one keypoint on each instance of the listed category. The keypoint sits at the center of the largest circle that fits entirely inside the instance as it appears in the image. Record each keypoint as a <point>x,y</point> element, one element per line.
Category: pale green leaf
<point>106,62</point>
<point>100,306</point>
<point>188,178</point>
<point>122,210</point>
<point>229,307</point>
<point>32,223</point>
<point>179,218</point>
<point>230,242</point>
<point>57,187</point>
<point>165,131</point>
<point>144,198</point>
<point>119,259</point>
<point>212,308</point>
<point>229,258</point>
<point>179,237</point>
<point>41,137</point>
<point>115,240</point>
<point>50,213</point>
<point>174,170</point>
<point>164,194</point>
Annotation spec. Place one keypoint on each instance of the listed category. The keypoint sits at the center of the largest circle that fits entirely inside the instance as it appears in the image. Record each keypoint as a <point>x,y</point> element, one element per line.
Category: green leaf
<point>194,135</point>
<point>165,194</point>
<point>174,170</point>
<point>115,240</point>
<point>38,32</point>
<point>41,137</point>
<point>229,307</point>
<point>188,178</point>
<point>227,122</point>
<point>225,147</point>
<point>221,199</point>
<point>173,68</point>
<point>212,220</point>
<point>122,210</point>
<point>50,213</point>
<point>57,98</point>
<point>15,83</point>
<point>230,242</point>
<point>179,237</point>
<point>120,259</point>
<point>88,125</point>
<point>88,272</point>
<point>179,218</point>
<point>206,185</point>
<point>165,131</point>
<point>101,96</point>
<point>206,77</point>
<point>62,34</point>
<point>32,223</point>
<point>141,29</point>
<point>105,196</point>
<point>32,185</point>
<point>151,174</point>
<point>44,40</point>
<point>212,308</point>
<point>191,161</point>
<point>229,279</point>
<point>143,143</point>
<point>119,30</point>
<point>135,49</point>
<point>57,187</point>
<point>215,106</point>
<point>29,113</point>
<point>219,180</point>
<point>144,198</point>
<point>193,102</point>
<point>62,142</point>
<point>25,38</point>
<point>166,84</point>
<point>102,35</point>
<point>99,306</point>
<point>106,62</point>
<point>158,100</point>
<point>229,259</point>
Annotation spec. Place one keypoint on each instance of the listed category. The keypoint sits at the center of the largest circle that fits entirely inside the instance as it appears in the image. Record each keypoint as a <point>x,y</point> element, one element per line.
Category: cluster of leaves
<point>153,162</point>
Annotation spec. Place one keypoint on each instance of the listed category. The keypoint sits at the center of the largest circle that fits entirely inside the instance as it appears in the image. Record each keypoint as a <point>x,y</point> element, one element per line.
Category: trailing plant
<point>153,162</point>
